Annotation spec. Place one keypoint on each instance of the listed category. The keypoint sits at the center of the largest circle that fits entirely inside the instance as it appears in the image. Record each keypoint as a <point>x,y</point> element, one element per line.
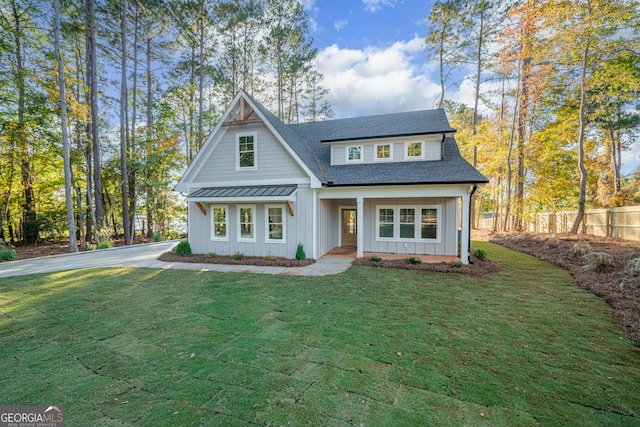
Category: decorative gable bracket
<point>242,115</point>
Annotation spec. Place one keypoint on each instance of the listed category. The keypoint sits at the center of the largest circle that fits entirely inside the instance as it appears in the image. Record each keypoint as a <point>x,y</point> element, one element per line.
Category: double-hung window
<point>408,223</point>
<point>275,223</point>
<point>246,223</point>
<point>246,151</point>
<point>220,222</point>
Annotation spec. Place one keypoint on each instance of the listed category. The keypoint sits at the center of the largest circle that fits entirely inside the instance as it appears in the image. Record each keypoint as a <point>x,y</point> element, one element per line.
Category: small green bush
<point>238,256</point>
<point>580,248</point>
<point>7,254</point>
<point>156,237</point>
<point>271,257</point>
<point>300,255</point>
<point>414,260</point>
<point>375,259</point>
<point>597,261</point>
<point>104,244</point>
<point>456,264</point>
<point>211,255</point>
<point>183,248</point>
<point>481,254</point>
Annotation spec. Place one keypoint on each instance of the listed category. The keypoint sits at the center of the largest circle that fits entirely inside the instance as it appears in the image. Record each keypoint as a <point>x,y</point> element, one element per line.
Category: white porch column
<point>464,236</point>
<point>360,227</point>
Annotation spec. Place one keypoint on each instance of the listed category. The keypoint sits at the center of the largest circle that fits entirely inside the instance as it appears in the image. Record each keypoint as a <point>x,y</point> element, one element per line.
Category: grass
<point>367,347</point>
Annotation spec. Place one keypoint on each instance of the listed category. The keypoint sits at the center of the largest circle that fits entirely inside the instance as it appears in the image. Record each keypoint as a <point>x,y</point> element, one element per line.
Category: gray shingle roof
<point>310,141</point>
<point>246,191</point>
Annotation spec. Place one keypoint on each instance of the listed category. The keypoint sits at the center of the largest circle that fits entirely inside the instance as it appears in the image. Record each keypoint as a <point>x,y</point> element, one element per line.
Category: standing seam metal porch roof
<point>245,191</point>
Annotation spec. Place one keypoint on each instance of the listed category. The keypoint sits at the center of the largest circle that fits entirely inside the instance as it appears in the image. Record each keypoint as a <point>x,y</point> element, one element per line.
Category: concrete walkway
<point>146,256</point>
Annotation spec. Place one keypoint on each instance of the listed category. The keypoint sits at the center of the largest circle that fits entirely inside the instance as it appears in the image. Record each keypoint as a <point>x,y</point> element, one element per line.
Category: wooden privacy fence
<point>615,222</point>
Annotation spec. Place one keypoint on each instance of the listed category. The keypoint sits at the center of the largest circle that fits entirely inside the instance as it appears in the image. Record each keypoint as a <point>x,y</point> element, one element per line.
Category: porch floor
<point>350,253</point>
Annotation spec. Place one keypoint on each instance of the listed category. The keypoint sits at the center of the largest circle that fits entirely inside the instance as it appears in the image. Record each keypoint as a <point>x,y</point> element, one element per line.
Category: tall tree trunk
<point>124,125</point>
<point>505,224</point>
<point>132,146</point>
<point>71,223</point>
<point>29,224</point>
<point>92,80</point>
<point>201,82</point>
<point>583,127</point>
<point>523,117</point>
<point>149,136</point>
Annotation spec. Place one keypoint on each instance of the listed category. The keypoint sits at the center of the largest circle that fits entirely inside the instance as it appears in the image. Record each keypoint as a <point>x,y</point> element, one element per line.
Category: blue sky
<point>372,55</point>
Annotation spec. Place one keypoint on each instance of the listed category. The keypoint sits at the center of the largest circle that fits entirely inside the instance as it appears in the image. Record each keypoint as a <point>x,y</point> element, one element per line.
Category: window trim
<point>253,223</point>
<point>382,159</point>
<point>213,236</point>
<point>346,154</point>
<point>267,239</point>
<point>255,151</point>
<point>406,150</point>
<point>417,224</point>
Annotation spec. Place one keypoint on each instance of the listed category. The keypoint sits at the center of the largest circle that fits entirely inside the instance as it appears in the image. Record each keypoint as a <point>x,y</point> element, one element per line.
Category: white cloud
<point>378,80</point>
<point>340,24</point>
<point>375,5</point>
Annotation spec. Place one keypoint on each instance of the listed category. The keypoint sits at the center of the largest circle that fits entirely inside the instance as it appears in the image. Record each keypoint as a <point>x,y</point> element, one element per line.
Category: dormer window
<point>383,152</point>
<point>246,151</point>
<point>354,153</point>
<point>414,150</point>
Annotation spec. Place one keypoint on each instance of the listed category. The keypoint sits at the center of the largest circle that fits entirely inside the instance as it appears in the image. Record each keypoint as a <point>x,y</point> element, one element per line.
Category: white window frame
<point>378,223</point>
<point>255,151</point>
<point>267,238</point>
<point>346,154</point>
<point>213,223</point>
<point>406,150</point>
<point>417,224</point>
<point>383,159</point>
<point>252,239</point>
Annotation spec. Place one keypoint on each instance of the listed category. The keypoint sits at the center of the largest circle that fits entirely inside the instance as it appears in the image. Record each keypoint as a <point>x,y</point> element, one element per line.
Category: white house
<point>393,183</point>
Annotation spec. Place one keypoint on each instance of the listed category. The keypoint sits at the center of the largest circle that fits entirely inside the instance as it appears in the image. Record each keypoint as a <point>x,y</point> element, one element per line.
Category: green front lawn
<point>367,347</point>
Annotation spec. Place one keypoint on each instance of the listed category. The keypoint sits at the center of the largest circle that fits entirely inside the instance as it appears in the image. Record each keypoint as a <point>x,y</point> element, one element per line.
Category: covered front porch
<point>395,222</point>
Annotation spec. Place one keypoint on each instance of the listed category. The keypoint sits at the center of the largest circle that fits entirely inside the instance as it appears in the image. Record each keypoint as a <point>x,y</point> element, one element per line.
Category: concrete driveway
<point>146,256</point>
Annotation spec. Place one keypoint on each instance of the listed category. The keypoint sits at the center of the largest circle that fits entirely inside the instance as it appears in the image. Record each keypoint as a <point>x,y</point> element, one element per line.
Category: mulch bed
<point>222,259</point>
<point>604,282</point>
<point>478,268</point>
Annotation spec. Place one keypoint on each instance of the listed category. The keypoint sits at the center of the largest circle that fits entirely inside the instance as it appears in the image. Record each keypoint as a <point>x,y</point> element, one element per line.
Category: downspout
<point>475,187</point>
<point>442,147</point>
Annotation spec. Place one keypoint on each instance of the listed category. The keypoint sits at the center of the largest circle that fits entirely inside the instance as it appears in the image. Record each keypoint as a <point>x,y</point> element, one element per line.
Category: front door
<point>349,228</point>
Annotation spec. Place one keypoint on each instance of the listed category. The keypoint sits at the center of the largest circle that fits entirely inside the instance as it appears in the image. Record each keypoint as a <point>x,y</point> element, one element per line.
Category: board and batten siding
<point>448,244</point>
<point>329,223</point>
<point>298,229</point>
<point>272,159</point>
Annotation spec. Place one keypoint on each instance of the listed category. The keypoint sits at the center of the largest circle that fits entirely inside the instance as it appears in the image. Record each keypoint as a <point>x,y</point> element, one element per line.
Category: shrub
<point>271,257</point>
<point>238,256</point>
<point>375,259</point>
<point>481,254</point>
<point>211,255</point>
<point>632,278</point>
<point>156,237</point>
<point>456,264</point>
<point>414,260</point>
<point>300,255</point>
<point>183,248</point>
<point>104,244</point>
<point>580,248</point>
<point>597,261</point>
<point>7,254</point>
<point>552,242</point>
